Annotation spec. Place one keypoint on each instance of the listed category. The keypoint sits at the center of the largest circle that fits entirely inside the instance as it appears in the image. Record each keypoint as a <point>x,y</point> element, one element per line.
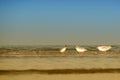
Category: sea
<point>46,59</point>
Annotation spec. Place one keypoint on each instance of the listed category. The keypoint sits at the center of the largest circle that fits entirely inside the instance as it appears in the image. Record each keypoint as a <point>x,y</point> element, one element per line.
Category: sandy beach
<point>37,64</point>
<point>96,76</point>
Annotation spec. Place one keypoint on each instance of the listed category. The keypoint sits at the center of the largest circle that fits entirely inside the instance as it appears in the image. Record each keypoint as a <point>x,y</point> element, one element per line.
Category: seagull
<point>104,48</point>
<point>80,49</point>
<point>62,50</point>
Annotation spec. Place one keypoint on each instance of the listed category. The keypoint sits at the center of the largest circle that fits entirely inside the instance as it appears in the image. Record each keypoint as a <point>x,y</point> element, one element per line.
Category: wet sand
<point>59,71</point>
<point>66,74</point>
<point>94,76</point>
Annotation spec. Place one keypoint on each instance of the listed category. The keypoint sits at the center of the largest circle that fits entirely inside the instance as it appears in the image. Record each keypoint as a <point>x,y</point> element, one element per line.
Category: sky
<point>36,22</point>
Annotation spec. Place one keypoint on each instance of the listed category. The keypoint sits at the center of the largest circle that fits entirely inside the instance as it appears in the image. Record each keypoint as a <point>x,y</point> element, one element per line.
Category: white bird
<point>80,49</point>
<point>104,48</point>
<point>63,49</point>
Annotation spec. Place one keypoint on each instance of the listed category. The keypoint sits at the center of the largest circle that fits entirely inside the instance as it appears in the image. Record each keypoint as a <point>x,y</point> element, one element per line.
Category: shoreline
<point>60,71</point>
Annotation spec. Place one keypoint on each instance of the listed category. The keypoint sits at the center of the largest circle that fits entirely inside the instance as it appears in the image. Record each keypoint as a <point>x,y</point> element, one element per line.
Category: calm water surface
<point>59,62</point>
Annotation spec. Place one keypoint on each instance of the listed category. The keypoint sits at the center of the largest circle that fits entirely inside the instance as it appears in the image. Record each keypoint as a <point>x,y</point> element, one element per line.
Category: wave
<point>51,50</point>
<point>60,71</point>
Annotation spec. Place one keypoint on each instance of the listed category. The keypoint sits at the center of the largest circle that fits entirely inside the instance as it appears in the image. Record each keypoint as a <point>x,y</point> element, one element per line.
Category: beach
<point>47,63</point>
<point>96,76</point>
<point>59,40</point>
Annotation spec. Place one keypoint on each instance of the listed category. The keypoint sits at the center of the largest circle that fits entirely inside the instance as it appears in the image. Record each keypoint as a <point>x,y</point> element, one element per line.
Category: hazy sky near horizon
<point>34,22</point>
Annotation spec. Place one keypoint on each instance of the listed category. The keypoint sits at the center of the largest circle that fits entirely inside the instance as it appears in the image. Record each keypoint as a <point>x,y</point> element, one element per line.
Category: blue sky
<point>35,22</point>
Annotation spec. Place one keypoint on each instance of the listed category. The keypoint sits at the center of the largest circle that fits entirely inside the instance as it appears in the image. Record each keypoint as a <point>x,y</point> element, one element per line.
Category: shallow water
<point>59,62</point>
